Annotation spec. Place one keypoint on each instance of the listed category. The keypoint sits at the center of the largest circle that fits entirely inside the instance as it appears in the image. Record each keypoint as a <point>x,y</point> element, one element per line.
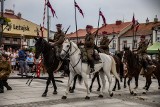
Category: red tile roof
<point>144,29</point>
<point>108,28</point>
<point>81,33</point>
<point>113,28</point>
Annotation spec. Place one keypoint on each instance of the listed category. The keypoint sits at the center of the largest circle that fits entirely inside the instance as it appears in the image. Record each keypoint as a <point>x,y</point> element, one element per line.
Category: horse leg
<point>149,81</point>
<point>125,82</point>
<point>47,84</point>
<point>84,76</point>
<point>103,84</point>
<point>93,79</point>
<point>54,85</point>
<point>110,81</point>
<point>129,80</point>
<point>98,80</point>
<point>71,90</point>
<point>114,88</point>
<point>119,86</point>
<point>145,84</point>
<point>159,82</point>
<point>71,77</point>
<point>136,82</point>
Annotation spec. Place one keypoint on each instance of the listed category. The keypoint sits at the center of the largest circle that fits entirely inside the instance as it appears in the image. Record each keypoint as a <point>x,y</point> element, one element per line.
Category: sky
<point>113,10</point>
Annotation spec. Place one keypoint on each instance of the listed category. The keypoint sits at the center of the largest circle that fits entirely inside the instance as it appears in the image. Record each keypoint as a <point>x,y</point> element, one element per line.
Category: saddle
<point>85,58</point>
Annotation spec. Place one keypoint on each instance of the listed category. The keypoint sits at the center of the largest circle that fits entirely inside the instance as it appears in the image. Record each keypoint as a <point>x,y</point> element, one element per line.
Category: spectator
<point>5,70</point>
<point>30,61</point>
<point>22,61</point>
<point>13,61</point>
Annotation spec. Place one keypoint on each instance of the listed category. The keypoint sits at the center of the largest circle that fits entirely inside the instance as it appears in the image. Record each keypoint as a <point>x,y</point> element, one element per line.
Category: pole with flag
<point>80,10</point>
<point>133,25</point>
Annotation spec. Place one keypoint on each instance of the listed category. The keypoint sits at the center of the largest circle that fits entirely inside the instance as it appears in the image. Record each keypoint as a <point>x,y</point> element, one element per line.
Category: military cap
<point>59,25</point>
<point>142,36</point>
<point>104,33</point>
<point>89,26</point>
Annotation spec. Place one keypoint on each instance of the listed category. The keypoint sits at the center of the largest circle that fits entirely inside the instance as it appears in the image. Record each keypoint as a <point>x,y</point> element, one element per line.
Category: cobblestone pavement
<point>30,96</point>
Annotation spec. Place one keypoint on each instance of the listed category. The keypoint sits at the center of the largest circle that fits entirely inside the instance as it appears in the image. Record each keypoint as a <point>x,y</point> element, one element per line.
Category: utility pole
<point>48,22</point>
<point>2,21</point>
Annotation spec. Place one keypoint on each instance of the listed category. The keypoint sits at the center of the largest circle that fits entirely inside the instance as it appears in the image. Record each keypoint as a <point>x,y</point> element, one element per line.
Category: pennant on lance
<point>52,10</point>
<point>80,10</point>
<point>104,19</point>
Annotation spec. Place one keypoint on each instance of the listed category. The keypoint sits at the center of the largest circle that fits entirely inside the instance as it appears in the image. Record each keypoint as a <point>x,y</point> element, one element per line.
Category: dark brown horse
<point>134,66</point>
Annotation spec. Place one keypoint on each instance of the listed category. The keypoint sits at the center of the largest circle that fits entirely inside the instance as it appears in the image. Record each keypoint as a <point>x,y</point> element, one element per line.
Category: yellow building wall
<point>23,27</point>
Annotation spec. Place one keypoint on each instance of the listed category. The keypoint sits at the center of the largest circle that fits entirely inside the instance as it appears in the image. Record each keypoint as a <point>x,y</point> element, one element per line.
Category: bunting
<point>52,10</point>
<point>104,19</point>
<point>80,10</point>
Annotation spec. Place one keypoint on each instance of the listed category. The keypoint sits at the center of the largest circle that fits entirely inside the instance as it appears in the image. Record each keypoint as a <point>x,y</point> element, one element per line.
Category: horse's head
<point>66,47</point>
<point>39,45</point>
<point>126,53</point>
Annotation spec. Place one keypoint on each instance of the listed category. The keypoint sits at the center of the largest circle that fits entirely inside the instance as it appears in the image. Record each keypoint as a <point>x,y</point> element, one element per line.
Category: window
<point>7,38</point>
<point>125,43</point>
<point>15,39</point>
<point>114,44</point>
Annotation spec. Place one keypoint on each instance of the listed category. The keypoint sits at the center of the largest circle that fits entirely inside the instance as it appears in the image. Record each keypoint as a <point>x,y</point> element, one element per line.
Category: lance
<point>76,20</point>
<point>67,30</point>
<point>96,35</point>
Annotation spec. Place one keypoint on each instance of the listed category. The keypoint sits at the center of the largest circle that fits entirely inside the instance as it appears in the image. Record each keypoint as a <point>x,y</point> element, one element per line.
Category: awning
<point>154,48</point>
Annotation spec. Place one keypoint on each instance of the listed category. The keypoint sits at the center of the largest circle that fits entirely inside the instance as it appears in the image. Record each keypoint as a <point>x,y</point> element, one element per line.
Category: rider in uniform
<point>89,46</point>
<point>142,53</point>
<point>58,39</point>
<point>104,43</point>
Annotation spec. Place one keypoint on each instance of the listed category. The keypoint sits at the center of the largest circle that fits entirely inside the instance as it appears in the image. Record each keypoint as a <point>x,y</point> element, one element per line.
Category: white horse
<point>105,67</point>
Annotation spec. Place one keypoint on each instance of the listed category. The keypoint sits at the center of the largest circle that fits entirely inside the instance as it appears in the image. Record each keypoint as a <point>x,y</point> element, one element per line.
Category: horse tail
<point>113,68</point>
<point>79,79</point>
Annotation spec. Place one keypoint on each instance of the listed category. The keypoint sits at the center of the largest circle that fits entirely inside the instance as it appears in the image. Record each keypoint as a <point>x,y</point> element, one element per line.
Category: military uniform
<point>141,51</point>
<point>5,70</point>
<point>89,46</point>
<point>104,45</point>
<point>58,40</point>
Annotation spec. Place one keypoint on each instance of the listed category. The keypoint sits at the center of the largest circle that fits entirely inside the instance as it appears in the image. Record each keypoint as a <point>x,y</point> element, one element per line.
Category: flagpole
<point>98,27</point>
<point>76,20</point>
<point>47,22</point>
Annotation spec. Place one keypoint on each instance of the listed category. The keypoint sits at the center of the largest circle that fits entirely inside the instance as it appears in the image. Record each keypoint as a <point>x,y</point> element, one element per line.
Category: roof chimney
<point>118,22</point>
<point>19,15</point>
<point>155,19</point>
<point>147,20</point>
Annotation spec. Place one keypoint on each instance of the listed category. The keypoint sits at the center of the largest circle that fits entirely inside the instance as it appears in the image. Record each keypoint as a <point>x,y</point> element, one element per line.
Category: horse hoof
<point>55,92</point>
<point>64,97</point>
<point>98,89</point>
<point>119,88</point>
<point>144,87</point>
<point>100,96</point>
<point>132,92</point>
<point>135,87</point>
<point>144,93</point>
<point>71,91</point>
<point>135,94</point>
<point>111,95</point>
<point>44,95</point>
<point>87,98</point>
<point>113,89</point>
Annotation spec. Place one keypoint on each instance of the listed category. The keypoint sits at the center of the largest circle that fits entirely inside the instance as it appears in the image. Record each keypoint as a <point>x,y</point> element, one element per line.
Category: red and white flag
<point>80,10</point>
<point>137,26</point>
<point>133,20</point>
<point>104,19</point>
<point>52,10</point>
